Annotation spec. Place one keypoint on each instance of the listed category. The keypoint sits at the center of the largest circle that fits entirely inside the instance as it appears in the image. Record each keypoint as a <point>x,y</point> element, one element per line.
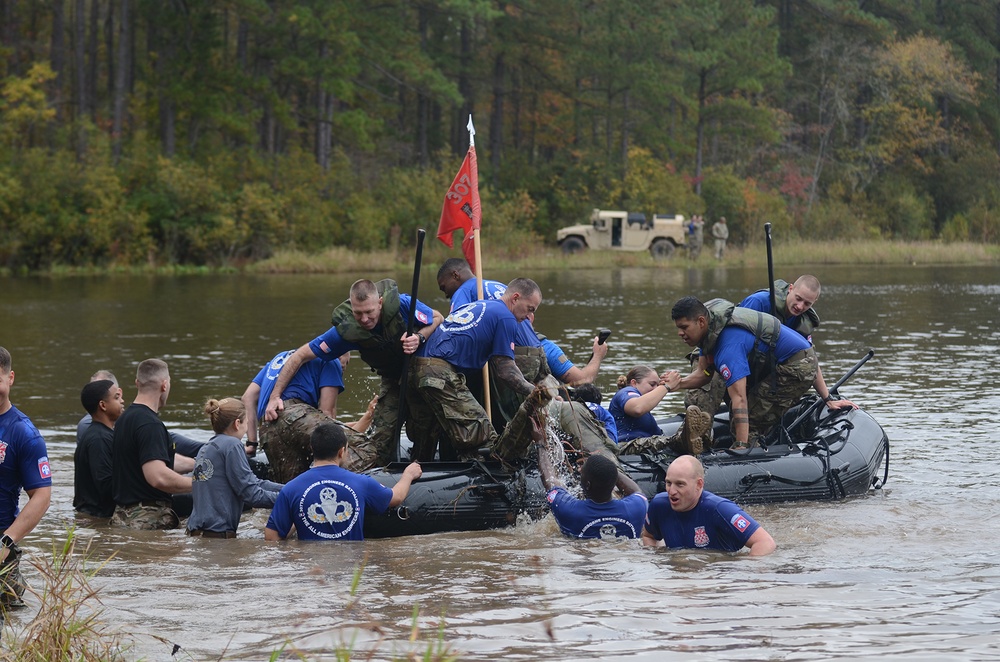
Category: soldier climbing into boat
<point>309,400</point>
<point>373,321</point>
<point>793,305</point>
<point>766,366</point>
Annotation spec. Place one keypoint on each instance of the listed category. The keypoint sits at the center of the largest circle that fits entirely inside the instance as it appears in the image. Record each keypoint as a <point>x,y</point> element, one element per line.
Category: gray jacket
<point>223,482</point>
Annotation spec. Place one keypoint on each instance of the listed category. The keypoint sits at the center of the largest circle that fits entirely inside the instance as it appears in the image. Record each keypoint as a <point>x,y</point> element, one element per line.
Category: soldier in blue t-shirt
<point>329,502</point>
<point>686,516</point>
<point>457,282</point>
<point>24,463</point>
<point>759,394</point>
<point>597,515</point>
<point>470,336</point>
<point>373,321</point>
<point>309,399</point>
<point>793,306</point>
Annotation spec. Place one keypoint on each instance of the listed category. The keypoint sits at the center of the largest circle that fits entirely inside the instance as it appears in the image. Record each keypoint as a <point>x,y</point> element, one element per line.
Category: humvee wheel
<point>572,245</point>
<point>662,249</point>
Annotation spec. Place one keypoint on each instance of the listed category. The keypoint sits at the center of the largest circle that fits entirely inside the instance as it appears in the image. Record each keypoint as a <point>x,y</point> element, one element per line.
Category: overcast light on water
<point>908,572</point>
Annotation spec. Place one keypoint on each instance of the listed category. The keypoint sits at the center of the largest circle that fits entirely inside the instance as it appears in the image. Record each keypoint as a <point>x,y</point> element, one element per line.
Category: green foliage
<point>254,129</point>
<point>24,108</point>
<point>834,219</point>
<point>905,212</point>
<point>722,192</point>
<point>955,229</point>
<point>984,221</point>
<point>653,186</point>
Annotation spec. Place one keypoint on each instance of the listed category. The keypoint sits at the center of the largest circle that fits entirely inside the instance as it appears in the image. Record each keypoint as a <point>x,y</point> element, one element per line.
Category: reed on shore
<point>536,257</point>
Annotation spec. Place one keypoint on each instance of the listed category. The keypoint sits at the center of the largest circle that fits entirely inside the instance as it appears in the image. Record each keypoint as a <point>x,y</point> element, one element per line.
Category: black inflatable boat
<point>814,455</point>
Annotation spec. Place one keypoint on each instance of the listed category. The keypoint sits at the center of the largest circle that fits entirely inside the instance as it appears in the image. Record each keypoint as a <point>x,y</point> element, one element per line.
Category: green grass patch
<point>340,259</point>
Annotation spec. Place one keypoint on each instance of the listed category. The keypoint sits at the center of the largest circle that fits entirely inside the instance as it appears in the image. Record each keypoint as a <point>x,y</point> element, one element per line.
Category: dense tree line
<point>205,131</point>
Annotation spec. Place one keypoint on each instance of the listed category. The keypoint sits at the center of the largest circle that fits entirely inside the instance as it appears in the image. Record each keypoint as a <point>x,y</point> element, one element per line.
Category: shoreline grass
<point>341,259</point>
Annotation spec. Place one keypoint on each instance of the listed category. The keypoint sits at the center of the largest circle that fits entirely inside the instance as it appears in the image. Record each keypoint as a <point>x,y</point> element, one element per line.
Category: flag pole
<point>478,247</point>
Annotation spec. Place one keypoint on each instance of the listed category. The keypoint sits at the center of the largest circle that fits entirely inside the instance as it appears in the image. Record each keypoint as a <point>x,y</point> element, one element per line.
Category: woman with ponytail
<point>223,481</point>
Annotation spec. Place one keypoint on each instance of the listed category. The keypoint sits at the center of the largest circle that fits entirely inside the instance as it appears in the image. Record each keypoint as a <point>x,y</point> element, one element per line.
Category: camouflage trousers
<point>573,420</point>
<point>678,443</point>
<point>146,516</point>
<point>286,441</point>
<point>709,397</point>
<point>794,378</point>
<point>694,246</point>
<point>12,584</point>
<point>440,402</point>
<point>382,433</point>
<point>534,367</point>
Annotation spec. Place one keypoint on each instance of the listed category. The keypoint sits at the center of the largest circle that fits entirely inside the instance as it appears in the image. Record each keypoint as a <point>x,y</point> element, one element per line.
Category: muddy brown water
<point>909,572</point>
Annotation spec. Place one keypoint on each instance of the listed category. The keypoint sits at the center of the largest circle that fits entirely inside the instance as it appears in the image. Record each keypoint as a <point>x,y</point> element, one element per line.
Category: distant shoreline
<point>344,260</point>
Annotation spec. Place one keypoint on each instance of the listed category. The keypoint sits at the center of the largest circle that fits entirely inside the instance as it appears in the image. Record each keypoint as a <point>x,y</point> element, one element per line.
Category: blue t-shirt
<point>468,292</point>
<point>305,384</point>
<point>631,427</point>
<point>715,523</point>
<point>735,344</point>
<point>24,462</point>
<point>761,301</point>
<point>330,345</point>
<point>328,503</point>
<point>605,417</point>
<point>559,365</point>
<point>525,335</point>
<point>584,518</point>
<point>470,335</point>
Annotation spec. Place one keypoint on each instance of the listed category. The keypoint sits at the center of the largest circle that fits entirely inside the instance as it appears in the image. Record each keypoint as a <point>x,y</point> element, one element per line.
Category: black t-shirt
<point>92,479</point>
<point>140,437</point>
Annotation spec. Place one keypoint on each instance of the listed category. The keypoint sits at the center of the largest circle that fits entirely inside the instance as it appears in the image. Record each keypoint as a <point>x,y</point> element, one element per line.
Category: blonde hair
<point>223,413</point>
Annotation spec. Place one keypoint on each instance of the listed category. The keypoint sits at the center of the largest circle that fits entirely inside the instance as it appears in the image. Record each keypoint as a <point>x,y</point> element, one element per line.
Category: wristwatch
<point>423,339</point>
<point>6,541</point>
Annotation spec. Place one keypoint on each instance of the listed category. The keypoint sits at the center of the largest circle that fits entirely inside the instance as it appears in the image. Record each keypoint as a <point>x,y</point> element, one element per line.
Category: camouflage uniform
<point>12,584</point>
<point>146,516</point>
<point>381,349</point>
<point>693,436</point>
<point>439,401</point>
<point>534,366</point>
<point>573,420</point>
<point>794,378</point>
<point>286,441</point>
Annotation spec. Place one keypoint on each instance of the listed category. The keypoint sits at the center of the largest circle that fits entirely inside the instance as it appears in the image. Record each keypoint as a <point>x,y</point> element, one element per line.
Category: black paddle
<point>770,268</point>
<point>833,389</point>
<point>409,331</point>
<point>774,305</point>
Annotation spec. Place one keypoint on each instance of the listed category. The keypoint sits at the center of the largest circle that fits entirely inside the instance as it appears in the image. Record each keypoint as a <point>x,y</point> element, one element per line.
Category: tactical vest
<point>380,347</point>
<point>765,329</point>
<point>807,321</point>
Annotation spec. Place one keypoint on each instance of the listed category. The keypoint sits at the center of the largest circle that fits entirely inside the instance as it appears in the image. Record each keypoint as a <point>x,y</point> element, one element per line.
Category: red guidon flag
<point>462,209</point>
